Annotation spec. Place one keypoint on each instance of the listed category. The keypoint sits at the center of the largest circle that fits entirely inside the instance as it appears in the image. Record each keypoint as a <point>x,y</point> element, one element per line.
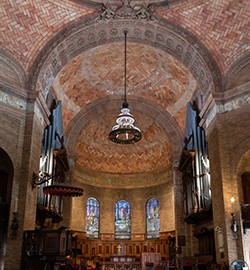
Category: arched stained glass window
<point>92,218</point>
<point>122,220</point>
<point>153,218</point>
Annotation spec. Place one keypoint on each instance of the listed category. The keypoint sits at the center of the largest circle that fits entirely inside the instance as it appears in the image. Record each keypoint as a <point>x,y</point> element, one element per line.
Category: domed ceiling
<point>91,88</point>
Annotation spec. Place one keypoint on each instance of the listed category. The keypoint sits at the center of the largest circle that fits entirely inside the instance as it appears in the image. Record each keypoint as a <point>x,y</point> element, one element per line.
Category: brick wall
<point>137,199</point>
<point>228,143</point>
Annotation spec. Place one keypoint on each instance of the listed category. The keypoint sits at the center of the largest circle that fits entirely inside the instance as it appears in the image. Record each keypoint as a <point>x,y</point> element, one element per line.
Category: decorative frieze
<point>158,33</point>
<point>125,10</point>
<point>221,106</point>
<point>13,100</point>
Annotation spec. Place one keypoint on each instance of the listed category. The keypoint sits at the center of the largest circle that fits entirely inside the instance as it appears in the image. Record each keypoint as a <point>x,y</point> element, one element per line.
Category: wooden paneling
<point>104,249</point>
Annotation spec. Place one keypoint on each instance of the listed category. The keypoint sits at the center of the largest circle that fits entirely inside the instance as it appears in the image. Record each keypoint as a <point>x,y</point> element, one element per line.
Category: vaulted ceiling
<point>74,50</point>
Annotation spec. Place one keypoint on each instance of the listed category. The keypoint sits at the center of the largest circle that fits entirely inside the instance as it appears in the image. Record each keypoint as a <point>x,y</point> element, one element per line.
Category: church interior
<point>125,135</point>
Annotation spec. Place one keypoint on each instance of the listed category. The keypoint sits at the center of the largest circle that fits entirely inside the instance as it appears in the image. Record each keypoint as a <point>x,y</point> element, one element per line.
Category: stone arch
<point>243,166</point>
<point>6,183</point>
<point>10,149</point>
<point>242,163</point>
<point>160,33</point>
<point>242,156</point>
<point>156,113</point>
<point>238,74</point>
<point>95,110</point>
<point>6,165</point>
<point>11,71</point>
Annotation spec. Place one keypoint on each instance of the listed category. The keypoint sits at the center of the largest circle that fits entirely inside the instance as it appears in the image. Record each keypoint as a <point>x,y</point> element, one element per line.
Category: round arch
<point>156,113</point>
<point>6,166</point>
<point>11,71</point>
<point>95,110</point>
<point>6,183</point>
<point>238,74</point>
<point>160,33</point>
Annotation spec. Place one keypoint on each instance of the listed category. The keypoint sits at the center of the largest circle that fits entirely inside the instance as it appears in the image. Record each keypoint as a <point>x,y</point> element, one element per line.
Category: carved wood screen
<point>206,242</point>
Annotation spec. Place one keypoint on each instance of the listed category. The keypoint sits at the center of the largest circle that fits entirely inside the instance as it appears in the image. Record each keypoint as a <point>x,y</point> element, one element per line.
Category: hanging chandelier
<point>125,132</point>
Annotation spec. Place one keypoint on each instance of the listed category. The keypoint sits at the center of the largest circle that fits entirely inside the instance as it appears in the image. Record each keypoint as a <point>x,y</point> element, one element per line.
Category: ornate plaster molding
<point>156,3</point>
<point>222,105</point>
<point>125,10</point>
<point>90,33</point>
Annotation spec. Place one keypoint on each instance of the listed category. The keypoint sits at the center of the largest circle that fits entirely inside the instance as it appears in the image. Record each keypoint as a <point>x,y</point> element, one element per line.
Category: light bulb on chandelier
<point>125,132</point>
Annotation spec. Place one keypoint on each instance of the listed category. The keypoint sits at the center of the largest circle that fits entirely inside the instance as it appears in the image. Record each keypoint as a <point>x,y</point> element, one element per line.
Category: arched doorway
<point>6,178</point>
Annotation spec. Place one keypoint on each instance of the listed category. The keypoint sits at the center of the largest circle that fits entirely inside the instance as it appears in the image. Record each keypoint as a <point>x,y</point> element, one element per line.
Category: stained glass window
<point>153,218</point>
<point>122,220</point>
<point>92,218</point>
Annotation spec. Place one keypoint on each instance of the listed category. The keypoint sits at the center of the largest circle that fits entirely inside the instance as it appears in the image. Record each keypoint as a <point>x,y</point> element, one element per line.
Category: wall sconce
<point>39,179</point>
<point>234,225</point>
<point>14,224</point>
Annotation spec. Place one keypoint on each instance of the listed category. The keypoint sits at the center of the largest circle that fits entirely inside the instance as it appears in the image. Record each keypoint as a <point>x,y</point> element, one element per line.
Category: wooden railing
<point>105,249</point>
<point>47,243</point>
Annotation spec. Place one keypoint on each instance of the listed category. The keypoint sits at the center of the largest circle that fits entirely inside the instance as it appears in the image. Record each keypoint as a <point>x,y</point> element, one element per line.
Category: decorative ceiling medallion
<point>126,10</point>
<point>156,3</point>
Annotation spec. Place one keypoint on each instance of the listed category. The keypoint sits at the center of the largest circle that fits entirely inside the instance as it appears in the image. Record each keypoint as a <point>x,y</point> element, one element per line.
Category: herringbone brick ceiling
<point>154,77</point>
<point>151,75</point>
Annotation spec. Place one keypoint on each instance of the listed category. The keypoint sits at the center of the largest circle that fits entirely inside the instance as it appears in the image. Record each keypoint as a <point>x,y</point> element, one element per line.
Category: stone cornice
<point>122,180</point>
<point>13,97</point>
<point>224,102</point>
<point>18,98</point>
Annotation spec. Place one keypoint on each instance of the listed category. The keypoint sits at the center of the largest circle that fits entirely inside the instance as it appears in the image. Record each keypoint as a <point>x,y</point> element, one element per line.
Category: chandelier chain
<point>125,66</point>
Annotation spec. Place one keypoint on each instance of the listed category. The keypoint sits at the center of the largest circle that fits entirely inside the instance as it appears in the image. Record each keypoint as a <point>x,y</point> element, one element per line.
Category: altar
<point>121,262</point>
<point>122,258</point>
<point>125,262</point>
<point>150,260</point>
